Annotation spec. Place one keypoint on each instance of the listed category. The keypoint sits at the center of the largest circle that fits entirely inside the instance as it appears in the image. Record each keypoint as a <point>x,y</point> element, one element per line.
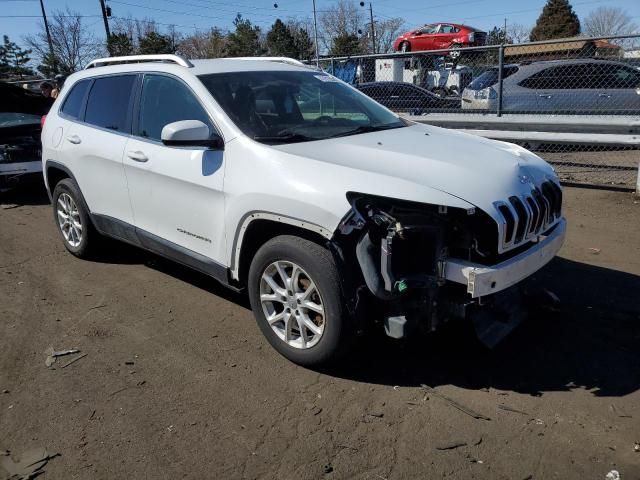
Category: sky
<point>21,17</point>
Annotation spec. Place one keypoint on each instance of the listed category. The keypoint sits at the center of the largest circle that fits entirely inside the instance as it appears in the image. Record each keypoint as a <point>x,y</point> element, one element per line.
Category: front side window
<point>293,106</point>
<point>428,29</point>
<point>109,101</point>
<point>72,106</point>
<point>166,100</point>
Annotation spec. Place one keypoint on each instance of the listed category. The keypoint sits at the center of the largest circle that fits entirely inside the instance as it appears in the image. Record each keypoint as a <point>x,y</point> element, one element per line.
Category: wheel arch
<point>257,228</point>
<point>54,173</point>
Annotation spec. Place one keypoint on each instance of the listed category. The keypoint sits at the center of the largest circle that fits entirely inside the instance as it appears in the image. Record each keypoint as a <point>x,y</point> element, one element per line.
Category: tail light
<point>42,120</point>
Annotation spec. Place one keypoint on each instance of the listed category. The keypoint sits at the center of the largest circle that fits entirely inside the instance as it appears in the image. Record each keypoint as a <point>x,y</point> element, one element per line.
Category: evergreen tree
<point>497,36</point>
<point>13,59</point>
<point>557,20</point>
<point>303,44</point>
<point>119,44</point>
<point>245,41</point>
<point>154,43</point>
<point>346,44</point>
<point>48,67</point>
<point>280,41</point>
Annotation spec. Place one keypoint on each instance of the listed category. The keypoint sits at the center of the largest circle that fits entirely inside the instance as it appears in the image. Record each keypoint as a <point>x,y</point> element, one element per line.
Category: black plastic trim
<point>120,230</point>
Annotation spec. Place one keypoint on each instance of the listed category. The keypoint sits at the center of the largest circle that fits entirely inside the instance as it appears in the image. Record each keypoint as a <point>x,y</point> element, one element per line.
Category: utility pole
<point>505,31</point>
<point>46,28</point>
<point>315,30</point>
<point>373,31</point>
<point>104,17</point>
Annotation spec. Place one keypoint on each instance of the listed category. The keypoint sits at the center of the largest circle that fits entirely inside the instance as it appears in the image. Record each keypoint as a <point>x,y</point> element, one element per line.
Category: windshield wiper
<point>366,129</point>
<point>288,138</point>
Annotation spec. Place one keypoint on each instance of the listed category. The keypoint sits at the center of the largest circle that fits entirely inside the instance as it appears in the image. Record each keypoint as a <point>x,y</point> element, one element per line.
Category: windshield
<point>490,77</point>
<point>291,106</point>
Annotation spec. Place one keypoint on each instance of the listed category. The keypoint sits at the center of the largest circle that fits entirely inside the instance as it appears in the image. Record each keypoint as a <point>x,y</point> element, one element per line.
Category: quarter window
<point>72,106</point>
<point>166,100</point>
<point>108,102</point>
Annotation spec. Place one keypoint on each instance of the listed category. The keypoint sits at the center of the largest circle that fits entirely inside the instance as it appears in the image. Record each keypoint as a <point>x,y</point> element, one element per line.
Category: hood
<point>471,168</point>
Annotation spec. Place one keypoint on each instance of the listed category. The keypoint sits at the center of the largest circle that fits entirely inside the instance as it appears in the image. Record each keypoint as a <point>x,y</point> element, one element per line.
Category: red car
<point>438,36</point>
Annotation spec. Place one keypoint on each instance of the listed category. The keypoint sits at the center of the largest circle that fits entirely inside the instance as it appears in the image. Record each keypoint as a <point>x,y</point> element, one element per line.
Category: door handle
<point>75,139</point>
<point>604,95</point>
<point>545,95</point>
<point>137,156</point>
<point>395,96</point>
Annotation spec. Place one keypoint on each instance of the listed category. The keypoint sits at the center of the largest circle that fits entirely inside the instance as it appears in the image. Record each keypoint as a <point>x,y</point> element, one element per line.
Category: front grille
<point>528,216</point>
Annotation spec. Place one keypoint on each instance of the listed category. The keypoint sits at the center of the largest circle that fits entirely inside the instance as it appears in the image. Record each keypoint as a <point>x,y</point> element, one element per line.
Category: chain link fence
<point>588,86</point>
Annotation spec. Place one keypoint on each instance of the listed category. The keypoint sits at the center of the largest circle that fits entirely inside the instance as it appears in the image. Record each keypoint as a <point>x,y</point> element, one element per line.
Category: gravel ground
<point>178,382</point>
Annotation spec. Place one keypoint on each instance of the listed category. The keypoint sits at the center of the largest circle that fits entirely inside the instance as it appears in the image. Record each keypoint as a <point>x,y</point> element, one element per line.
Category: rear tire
<point>287,274</point>
<point>454,50</point>
<point>72,219</point>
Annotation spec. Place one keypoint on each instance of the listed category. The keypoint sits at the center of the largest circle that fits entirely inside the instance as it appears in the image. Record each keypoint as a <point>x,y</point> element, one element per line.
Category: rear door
<point>566,89</point>
<point>445,36</point>
<point>176,192</point>
<point>93,141</point>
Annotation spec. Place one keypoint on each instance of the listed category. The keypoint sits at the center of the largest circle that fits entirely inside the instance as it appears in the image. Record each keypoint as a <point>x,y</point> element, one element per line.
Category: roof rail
<point>165,58</point>
<point>287,60</point>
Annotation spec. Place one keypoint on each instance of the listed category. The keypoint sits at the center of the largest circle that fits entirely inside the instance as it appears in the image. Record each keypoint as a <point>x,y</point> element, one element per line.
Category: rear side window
<point>72,106</point>
<point>166,100</point>
<point>109,101</point>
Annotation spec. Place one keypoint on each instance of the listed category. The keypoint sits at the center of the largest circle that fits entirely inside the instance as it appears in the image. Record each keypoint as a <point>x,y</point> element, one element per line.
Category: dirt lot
<point>178,381</point>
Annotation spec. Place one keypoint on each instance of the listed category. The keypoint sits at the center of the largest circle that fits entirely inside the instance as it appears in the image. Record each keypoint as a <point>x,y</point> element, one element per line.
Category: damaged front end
<point>396,254</point>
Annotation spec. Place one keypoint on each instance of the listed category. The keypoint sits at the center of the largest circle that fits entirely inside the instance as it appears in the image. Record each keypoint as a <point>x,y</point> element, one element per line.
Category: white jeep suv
<point>332,212</point>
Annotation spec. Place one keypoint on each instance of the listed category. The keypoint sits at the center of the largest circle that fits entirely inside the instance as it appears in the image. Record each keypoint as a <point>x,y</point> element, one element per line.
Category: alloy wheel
<point>69,220</point>
<point>292,304</point>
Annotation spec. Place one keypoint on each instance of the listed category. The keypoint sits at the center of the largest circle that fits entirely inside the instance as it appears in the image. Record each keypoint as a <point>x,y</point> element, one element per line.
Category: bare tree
<point>341,19</point>
<point>386,32</point>
<point>209,44</point>
<point>608,21</point>
<point>518,33</point>
<point>73,44</point>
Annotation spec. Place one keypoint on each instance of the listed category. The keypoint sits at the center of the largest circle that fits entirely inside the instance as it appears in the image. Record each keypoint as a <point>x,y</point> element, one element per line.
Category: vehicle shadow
<point>591,340</point>
<point>116,252</point>
<point>30,191</point>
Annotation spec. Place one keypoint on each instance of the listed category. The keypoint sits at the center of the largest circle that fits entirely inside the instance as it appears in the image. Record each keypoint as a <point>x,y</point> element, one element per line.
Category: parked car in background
<point>558,86</point>
<point>439,36</point>
<point>21,112</point>
<point>406,97</point>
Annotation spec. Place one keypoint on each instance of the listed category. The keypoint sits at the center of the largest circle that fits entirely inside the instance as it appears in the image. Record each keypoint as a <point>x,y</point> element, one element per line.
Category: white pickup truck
<point>330,210</point>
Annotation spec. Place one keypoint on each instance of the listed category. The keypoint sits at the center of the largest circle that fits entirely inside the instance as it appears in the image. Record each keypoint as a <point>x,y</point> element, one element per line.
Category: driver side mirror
<point>190,133</point>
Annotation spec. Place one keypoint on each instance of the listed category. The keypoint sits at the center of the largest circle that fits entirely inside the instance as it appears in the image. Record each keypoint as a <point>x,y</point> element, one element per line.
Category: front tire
<point>295,295</point>
<point>72,218</point>
<point>405,47</point>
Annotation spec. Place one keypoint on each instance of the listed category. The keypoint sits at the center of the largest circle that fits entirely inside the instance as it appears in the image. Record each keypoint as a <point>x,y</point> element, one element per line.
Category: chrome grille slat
<point>530,215</point>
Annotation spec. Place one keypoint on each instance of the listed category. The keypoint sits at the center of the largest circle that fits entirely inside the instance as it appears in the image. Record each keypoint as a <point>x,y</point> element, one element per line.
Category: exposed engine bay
<point>401,249</point>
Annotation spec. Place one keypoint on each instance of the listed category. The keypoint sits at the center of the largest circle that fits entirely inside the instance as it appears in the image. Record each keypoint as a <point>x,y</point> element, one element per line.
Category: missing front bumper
<point>482,280</point>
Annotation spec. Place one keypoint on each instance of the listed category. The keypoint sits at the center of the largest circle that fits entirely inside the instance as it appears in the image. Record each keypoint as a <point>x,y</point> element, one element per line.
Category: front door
<point>176,192</point>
